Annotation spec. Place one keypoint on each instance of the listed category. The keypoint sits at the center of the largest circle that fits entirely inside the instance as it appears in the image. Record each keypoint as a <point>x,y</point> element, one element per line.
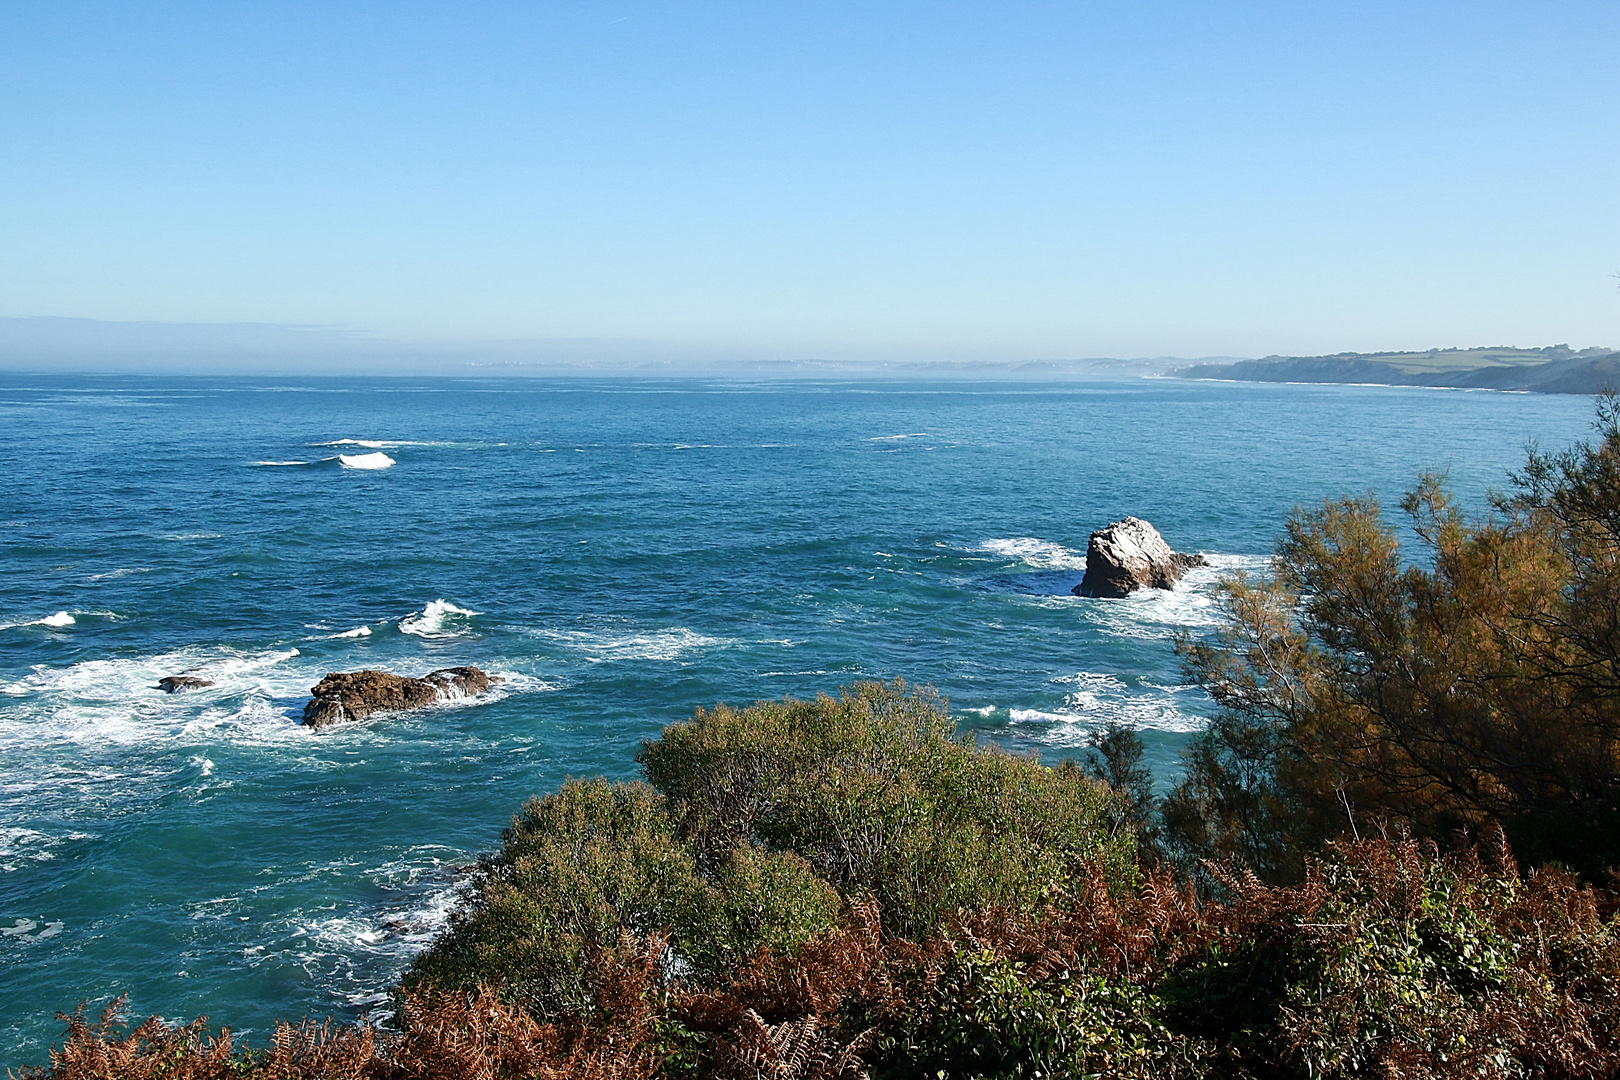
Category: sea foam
<point>1162,613</point>
<point>669,644</point>
<point>1100,698</point>
<point>440,619</point>
<point>1036,553</point>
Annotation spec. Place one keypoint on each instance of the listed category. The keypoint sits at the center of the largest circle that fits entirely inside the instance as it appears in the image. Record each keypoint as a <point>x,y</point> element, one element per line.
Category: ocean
<point>621,551</point>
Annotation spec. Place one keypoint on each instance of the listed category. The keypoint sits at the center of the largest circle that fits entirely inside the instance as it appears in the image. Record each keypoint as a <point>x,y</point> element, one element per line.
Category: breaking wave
<point>60,619</point>
<point>377,460</point>
<point>670,644</point>
<point>1100,698</point>
<point>372,444</point>
<point>1161,613</point>
<point>440,619</point>
<point>1036,553</point>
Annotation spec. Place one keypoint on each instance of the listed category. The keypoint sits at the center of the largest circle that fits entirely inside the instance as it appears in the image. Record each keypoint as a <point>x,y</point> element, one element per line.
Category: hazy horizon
<point>65,345</point>
<point>99,346</point>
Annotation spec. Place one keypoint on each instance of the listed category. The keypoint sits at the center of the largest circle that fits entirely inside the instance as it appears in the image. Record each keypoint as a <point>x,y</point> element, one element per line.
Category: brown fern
<point>794,1050</point>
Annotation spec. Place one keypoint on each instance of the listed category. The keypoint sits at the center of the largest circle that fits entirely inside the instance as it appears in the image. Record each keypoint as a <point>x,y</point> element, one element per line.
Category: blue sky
<point>1003,180</point>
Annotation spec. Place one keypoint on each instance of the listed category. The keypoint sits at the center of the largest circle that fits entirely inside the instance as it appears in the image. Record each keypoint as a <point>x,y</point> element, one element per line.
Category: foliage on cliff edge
<point>1387,959</point>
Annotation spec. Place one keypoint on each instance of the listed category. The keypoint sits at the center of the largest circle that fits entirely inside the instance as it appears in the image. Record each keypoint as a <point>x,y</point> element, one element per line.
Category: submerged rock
<point>1130,555</point>
<point>173,684</point>
<point>355,695</point>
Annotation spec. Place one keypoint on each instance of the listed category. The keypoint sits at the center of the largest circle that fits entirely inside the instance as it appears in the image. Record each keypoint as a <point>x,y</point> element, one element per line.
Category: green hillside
<point>1444,360</point>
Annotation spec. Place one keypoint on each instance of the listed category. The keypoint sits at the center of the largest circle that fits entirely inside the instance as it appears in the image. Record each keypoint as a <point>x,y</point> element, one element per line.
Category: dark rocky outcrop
<point>1130,555</point>
<point>173,684</point>
<point>355,695</point>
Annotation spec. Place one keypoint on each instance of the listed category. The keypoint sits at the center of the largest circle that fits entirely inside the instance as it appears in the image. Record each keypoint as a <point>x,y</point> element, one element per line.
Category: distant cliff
<point>1556,369</point>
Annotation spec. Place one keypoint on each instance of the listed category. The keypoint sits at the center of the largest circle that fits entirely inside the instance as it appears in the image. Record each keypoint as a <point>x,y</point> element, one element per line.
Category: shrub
<point>1390,959</point>
<point>989,1016</point>
<point>877,793</point>
<point>757,900</point>
<point>1115,758</point>
<point>756,826</point>
<point>576,869</point>
<point>1387,959</point>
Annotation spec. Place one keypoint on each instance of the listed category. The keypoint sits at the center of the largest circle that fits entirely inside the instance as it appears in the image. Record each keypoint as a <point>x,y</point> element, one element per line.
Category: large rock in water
<point>1131,555</point>
<point>355,695</point>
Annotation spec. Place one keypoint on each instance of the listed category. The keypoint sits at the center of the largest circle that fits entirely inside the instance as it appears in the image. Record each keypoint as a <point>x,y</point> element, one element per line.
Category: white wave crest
<point>121,680</point>
<point>518,682</point>
<point>122,571</point>
<point>440,619</point>
<point>102,704</point>
<point>1100,698</point>
<point>23,930</point>
<point>669,644</point>
<point>19,844</point>
<point>356,952</point>
<point>1036,553</point>
<point>60,619</point>
<point>359,631</point>
<point>373,444</point>
<point>1161,613</point>
<point>378,460</point>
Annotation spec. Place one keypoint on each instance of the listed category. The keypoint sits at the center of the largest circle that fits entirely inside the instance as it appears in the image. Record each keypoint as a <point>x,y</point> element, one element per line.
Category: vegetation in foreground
<point>1387,959</point>
<point>844,887</point>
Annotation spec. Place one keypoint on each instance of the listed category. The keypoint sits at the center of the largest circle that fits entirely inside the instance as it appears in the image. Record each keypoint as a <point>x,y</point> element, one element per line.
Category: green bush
<point>877,792</point>
<point>757,900</point>
<point>576,868</point>
<point>989,1018</point>
<point>757,825</point>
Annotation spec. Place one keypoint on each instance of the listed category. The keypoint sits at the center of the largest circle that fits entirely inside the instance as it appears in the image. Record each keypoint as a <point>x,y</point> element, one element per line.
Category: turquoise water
<point>622,552</point>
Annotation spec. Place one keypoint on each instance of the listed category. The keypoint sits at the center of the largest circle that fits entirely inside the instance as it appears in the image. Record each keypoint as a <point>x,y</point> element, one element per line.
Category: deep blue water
<point>621,551</point>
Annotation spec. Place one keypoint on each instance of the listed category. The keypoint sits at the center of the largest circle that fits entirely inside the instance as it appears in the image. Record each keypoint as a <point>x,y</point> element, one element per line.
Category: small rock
<point>1184,561</point>
<point>1130,555</point>
<point>355,695</point>
<point>173,684</point>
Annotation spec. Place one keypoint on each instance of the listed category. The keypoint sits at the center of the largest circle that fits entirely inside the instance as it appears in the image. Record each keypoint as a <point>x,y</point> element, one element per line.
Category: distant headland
<point>1555,369</point>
